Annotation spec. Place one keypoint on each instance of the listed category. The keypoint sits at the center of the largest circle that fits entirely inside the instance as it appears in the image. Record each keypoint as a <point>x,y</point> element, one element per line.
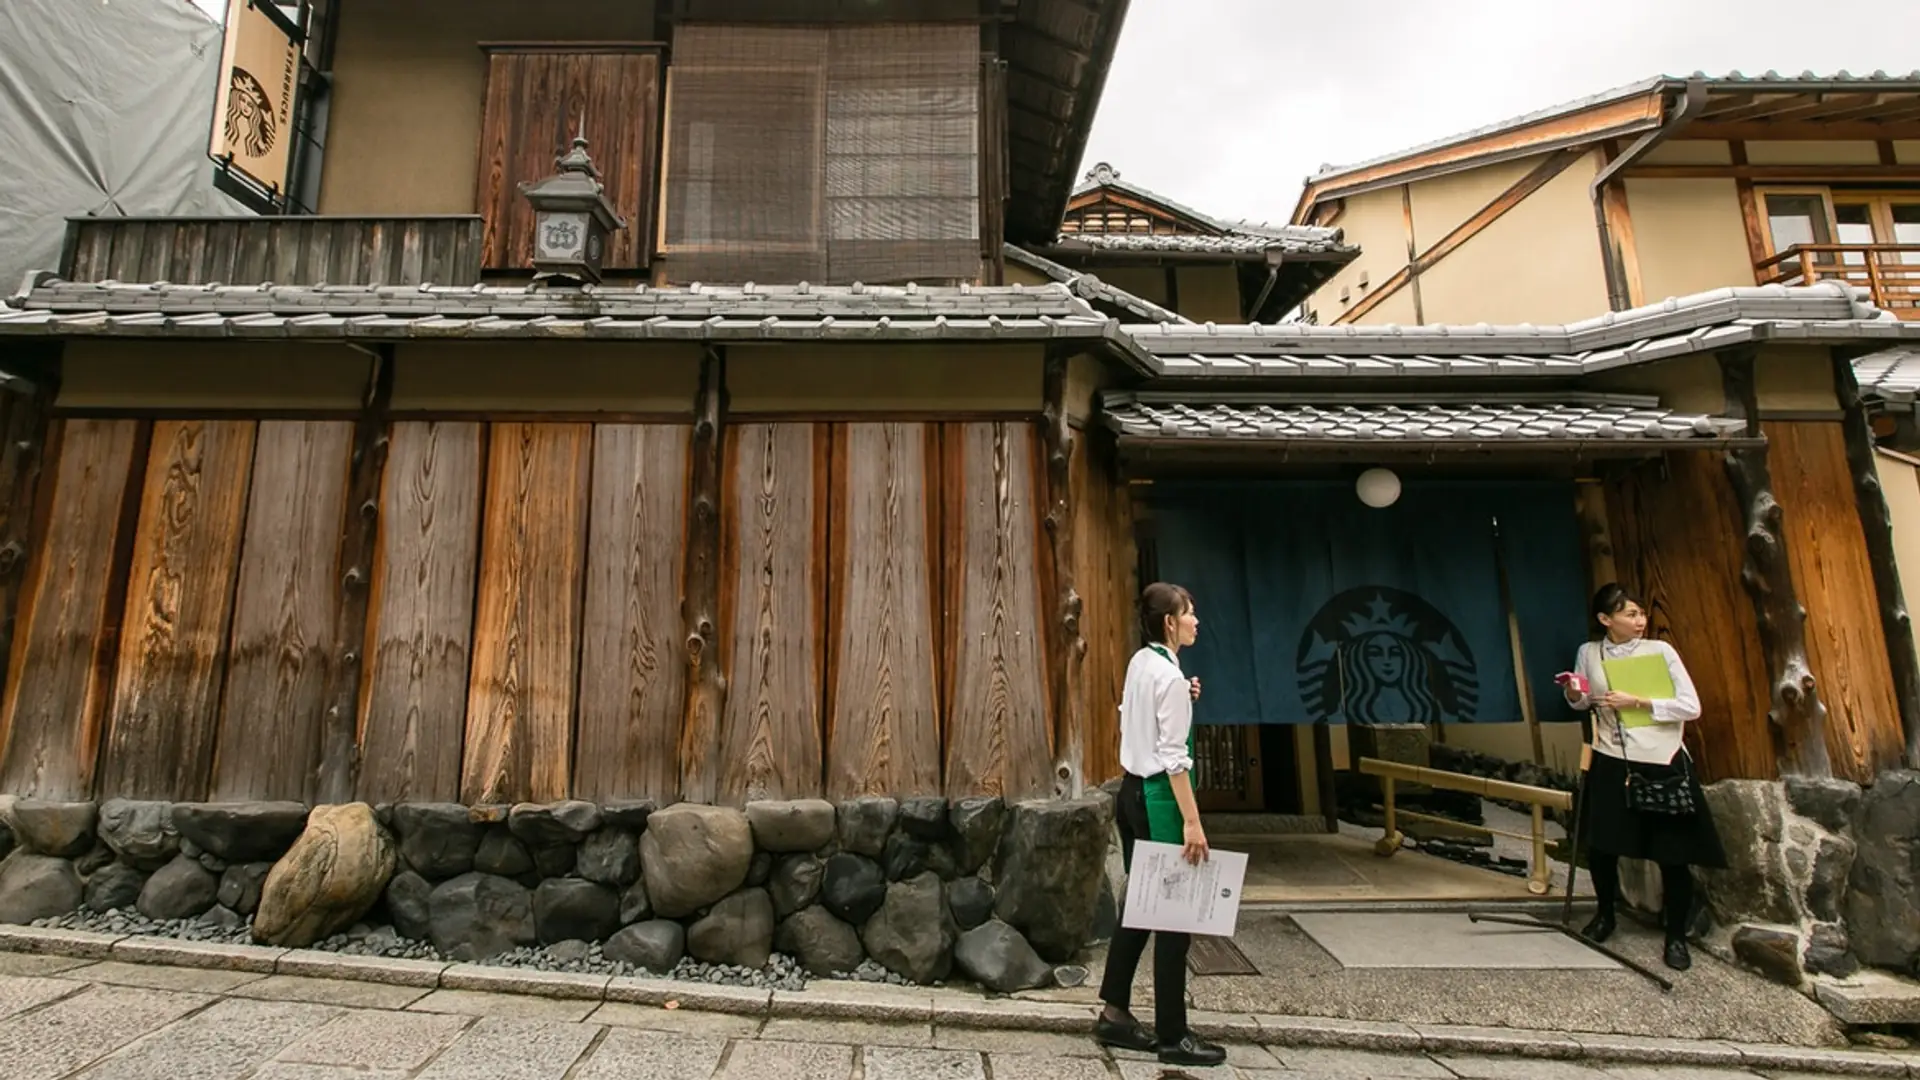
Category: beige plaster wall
<point>1813,152</point>
<point>267,375</point>
<point>1907,151</point>
<point>910,378</point>
<point>1689,236</point>
<point>1795,379</point>
<point>1376,222</point>
<point>1210,294</point>
<point>534,376</point>
<point>1441,204</point>
<point>403,136</point>
<point>1690,152</point>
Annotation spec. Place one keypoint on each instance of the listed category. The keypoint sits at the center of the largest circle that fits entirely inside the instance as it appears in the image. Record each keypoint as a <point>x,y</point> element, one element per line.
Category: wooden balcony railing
<point>1889,272</point>
<point>313,250</point>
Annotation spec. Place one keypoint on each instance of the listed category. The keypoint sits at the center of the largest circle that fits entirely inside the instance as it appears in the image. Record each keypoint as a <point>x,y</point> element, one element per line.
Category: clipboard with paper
<point>1644,676</point>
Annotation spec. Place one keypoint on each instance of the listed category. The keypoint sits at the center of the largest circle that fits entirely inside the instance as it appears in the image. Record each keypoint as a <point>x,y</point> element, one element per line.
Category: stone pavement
<point>67,1018</point>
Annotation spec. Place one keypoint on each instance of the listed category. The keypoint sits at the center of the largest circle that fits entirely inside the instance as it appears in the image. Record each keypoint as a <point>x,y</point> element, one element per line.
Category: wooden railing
<point>1541,800</point>
<point>314,250</point>
<point>1889,272</point>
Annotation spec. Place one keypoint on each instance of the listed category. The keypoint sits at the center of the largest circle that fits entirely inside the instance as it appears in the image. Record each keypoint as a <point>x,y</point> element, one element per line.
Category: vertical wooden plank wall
<point>173,643</point>
<point>632,673</point>
<point>772,606</point>
<point>998,733</point>
<point>420,614</point>
<point>520,704</point>
<point>1846,643</point>
<point>1107,573</point>
<point>276,677</point>
<point>883,700</point>
<point>1679,540</point>
<point>62,656</point>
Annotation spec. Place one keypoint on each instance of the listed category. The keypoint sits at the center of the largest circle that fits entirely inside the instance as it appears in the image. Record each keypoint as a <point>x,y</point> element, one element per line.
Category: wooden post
<point>359,543</point>
<point>700,595</point>
<point>1798,716</point>
<point>1876,523</point>
<point>1069,645</point>
<point>25,424</point>
<point>1523,689</point>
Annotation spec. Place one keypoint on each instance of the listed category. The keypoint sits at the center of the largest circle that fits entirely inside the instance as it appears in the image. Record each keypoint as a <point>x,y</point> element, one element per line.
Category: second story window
<point>827,154</point>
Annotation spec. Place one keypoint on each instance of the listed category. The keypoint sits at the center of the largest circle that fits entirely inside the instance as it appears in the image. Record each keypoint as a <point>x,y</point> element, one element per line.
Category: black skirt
<point>1613,827</point>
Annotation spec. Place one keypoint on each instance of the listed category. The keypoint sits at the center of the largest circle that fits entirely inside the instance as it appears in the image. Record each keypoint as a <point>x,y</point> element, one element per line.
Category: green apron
<point>1164,822</point>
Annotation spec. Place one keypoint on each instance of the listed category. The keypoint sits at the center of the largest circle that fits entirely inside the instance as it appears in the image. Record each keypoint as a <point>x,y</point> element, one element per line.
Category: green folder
<point>1642,676</point>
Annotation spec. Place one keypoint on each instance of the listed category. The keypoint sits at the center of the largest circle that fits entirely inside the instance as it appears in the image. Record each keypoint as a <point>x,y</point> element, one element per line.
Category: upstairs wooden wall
<point>883,610</point>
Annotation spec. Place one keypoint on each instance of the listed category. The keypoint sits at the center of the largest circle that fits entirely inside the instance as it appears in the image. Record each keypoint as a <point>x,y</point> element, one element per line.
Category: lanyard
<point>1162,650</point>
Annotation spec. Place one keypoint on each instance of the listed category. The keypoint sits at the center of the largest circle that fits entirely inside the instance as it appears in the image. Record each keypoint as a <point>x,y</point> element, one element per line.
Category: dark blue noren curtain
<point>1315,606</point>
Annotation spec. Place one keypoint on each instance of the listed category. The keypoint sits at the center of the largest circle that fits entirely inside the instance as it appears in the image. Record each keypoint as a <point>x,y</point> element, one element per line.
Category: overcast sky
<point>1226,105</point>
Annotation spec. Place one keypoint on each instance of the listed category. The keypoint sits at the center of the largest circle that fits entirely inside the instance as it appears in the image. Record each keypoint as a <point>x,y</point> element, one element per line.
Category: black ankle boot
<point>1192,1050</point>
<point>1125,1034</point>
<point>1678,958</point>
<point>1600,929</point>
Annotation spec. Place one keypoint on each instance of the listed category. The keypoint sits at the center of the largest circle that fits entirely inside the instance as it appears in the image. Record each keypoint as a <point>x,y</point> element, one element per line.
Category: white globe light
<point>1378,488</point>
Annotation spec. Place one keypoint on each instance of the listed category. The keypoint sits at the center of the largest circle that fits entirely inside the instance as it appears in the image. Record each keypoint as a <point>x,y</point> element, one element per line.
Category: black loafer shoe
<point>1678,958</point>
<point>1599,930</point>
<point>1130,1035</point>
<point>1193,1051</point>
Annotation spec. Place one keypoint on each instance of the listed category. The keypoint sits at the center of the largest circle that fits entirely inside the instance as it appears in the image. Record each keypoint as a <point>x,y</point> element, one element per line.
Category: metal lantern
<point>571,219</point>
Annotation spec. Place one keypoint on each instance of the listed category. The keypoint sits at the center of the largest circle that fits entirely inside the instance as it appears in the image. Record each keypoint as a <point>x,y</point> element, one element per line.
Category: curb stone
<point>855,1001</point>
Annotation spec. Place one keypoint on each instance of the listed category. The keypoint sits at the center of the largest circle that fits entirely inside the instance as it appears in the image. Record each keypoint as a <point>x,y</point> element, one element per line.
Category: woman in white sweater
<point>1666,820</point>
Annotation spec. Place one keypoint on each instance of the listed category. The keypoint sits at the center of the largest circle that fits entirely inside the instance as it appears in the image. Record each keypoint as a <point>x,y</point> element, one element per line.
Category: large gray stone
<point>115,887</point>
<point>410,905</point>
<point>438,840</point>
<point>179,890</point>
<point>994,955</point>
<point>1884,887</point>
<point>140,833</point>
<point>1048,872</point>
<point>241,831</point>
<point>476,916</point>
<point>331,876</point>
<point>1829,801</point>
<point>240,886</point>
<point>738,930</point>
<point>1828,952</point>
<point>542,825</point>
<point>1827,878</point>
<point>628,813</point>
<point>865,823</point>
<point>1757,884</point>
<point>693,855</point>
<point>611,856</point>
<point>569,909</point>
<point>37,887</point>
<point>970,901</point>
<point>799,825</point>
<point>977,823</point>
<point>853,888</point>
<point>795,884</point>
<point>912,934</point>
<point>925,817</point>
<point>61,829</point>
<point>821,943</point>
<point>635,905</point>
<point>1772,952</point>
<point>501,853</point>
<point>656,946</point>
<point>6,839</point>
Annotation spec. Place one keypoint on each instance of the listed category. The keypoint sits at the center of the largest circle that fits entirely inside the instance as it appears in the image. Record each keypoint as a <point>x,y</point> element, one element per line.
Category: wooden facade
<point>489,610</point>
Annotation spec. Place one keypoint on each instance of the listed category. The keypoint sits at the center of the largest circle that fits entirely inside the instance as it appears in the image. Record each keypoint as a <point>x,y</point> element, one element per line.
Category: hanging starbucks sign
<point>253,105</point>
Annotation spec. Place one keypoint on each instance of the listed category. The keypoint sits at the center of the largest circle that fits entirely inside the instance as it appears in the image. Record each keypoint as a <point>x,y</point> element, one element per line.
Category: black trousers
<point>1169,950</point>
<point>1676,882</point>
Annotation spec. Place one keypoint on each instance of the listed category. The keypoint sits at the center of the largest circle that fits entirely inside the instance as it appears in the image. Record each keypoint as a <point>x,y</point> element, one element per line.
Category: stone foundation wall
<point>925,888</point>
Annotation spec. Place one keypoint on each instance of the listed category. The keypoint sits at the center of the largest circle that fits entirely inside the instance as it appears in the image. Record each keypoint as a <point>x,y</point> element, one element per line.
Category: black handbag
<point>1666,793</point>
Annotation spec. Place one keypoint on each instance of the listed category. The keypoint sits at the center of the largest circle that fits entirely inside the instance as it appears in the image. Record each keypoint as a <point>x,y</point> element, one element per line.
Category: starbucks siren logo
<point>1375,655</point>
<point>250,122</point>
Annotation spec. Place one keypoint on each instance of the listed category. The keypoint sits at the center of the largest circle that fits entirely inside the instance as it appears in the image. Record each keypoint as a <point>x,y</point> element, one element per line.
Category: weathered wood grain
<point>1833,576</point>
<point>420,626</point>
<point>882,704</point>
<point>174,634</point>
<point>632,672</point>
<point>1679,542</point>
<point>770,737</point>
<point>1105,560</point>
<point>706,694</point>
<point>1068,644</point>
<point>998,729</point>
<point>520,705</point>
<point>302,250</point>
<point>61,660</point>
<point>26,429</point>
<point>283,609</point>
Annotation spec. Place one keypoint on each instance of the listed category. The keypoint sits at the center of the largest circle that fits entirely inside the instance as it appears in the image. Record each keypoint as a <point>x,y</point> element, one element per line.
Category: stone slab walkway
<point>76,1005</point>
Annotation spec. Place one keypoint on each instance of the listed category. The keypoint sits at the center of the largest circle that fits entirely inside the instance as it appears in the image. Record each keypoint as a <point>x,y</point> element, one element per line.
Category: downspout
<point>1274,260</point>
<point>1690,104</point>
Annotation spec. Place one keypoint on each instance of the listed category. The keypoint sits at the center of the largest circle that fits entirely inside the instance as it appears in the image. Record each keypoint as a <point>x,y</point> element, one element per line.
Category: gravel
<point>781,973</point>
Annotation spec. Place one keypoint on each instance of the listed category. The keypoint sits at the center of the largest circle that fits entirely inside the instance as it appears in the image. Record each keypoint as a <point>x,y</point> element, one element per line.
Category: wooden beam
<point>706,699</point>
<point>23,456</point>
<point>1798,716</point>
<point>1413,252</point>
<point>1903,125</point>
<point>1876,523</point>
<point>1069,645</point>
<point>1754,222</point>
<point>1554,164</point>
<point>359,543</point>
<point>1775,174</point>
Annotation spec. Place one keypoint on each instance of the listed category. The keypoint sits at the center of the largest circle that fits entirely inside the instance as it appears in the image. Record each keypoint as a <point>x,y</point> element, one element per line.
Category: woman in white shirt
<point>1156,803</point>
<point>1628,753</point>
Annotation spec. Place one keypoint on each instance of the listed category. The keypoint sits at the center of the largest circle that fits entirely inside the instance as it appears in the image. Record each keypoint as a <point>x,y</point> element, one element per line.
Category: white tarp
<point>104,110</point>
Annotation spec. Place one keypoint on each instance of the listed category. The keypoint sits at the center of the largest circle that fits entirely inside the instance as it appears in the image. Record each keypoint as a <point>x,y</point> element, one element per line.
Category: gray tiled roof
<point>1091,289</point>
<point>1827,312</point>
<point>1891,374</point>
<point>1227,237</point>
<point>1574,419</point>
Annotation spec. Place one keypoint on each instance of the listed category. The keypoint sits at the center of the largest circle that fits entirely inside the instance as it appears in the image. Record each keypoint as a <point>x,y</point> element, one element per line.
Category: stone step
<point>1871,997</point>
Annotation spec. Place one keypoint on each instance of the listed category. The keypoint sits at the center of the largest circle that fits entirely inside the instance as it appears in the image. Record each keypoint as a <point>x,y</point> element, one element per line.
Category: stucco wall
<point>1689,236</point>
<point>1375,222</point>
